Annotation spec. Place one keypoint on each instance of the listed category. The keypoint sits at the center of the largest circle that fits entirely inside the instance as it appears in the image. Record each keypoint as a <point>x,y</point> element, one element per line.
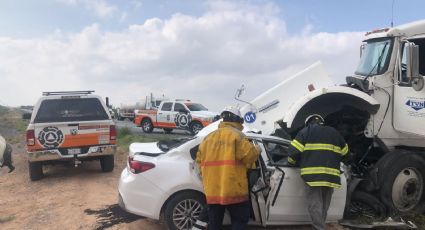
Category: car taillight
<point>30,137</point>
<point>139,166</point>
<point>112,132</point>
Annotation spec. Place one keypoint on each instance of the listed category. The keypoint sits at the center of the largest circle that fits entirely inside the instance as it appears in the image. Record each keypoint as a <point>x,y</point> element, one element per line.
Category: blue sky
<point>27,18</point>
<point>202,50</point>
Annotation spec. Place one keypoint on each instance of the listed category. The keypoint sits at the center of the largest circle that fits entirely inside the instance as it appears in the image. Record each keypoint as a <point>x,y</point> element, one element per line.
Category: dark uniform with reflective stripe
<point>319,150</point>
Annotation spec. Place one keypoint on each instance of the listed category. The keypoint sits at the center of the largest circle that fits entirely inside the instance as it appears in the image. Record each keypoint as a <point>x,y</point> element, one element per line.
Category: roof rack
<point>67,92</point>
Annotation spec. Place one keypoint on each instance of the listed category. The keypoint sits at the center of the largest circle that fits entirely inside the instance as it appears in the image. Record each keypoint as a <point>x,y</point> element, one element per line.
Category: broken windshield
<point>375,57</point>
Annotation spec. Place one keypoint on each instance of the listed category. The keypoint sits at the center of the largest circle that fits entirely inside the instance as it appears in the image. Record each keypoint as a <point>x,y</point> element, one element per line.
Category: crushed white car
<point>161,178</point>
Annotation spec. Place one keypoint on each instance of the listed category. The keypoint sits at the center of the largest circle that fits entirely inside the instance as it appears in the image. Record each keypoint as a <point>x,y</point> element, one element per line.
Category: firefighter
<point>5,155</point>
<point>224,157</point>
<point>318,150</point>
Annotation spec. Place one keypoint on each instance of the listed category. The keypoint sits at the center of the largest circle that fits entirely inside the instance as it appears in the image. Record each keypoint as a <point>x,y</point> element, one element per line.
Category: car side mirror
<point>413,66</point>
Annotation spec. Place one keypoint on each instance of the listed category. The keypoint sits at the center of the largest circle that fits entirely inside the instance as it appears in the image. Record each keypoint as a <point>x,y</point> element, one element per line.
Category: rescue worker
<point>5,155</point>
<point>224,157</point>
<point>318,150</point>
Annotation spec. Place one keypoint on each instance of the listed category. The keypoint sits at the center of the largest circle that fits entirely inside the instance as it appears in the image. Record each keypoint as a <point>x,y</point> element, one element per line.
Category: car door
<point>165,115</point>
<point>287,203</point>
<point>181,116</point>
<point>264,191</point>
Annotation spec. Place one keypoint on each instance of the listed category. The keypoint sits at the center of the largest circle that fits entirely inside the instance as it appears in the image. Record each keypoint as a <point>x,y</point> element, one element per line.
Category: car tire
<point>187,204</point>
<point>35,170</point>
<point>146,125</point>
<point>365,205</point>
<point>168,130</point>
<point>403,183</point>
<point>195,127</point>
<point>107,163</point>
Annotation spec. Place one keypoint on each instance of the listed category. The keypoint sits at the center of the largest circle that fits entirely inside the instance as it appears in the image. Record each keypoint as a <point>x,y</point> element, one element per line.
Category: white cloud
<point>202,58</point>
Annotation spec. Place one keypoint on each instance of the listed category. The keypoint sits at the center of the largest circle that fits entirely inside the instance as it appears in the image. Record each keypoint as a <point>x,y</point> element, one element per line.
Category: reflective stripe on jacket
<point>318,150</point>
<point>224,157</point>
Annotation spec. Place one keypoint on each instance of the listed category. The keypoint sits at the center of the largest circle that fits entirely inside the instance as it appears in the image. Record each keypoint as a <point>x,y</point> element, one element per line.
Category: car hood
<point>150,148</point>
<point>205,114</point>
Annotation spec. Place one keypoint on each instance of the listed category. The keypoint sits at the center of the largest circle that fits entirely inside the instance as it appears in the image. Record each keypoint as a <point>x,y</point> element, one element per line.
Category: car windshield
<point>195,107</point>
<point>375,57</point>
<point>75,109</point>
<point>167,145</point>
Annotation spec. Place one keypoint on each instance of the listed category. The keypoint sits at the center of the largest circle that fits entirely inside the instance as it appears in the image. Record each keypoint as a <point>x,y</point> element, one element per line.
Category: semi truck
<point>380,111</point>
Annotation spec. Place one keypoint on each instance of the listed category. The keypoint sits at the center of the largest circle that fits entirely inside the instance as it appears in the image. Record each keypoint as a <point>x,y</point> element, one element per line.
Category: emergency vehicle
<point>70,126</point>
<point>179,114</point>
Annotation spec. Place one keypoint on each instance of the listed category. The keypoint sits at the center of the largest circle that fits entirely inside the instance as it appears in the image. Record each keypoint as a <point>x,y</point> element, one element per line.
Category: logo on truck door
<point>183,120</point>
<point>416,104</point>
<point>50,137</point>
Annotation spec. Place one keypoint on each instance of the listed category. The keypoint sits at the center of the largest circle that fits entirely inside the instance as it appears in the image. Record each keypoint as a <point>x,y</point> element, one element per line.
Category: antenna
<point>239,93</point>
<point>392,14</point>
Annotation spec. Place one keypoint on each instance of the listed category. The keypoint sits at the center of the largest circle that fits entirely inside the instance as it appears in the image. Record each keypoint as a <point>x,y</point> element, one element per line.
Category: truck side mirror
<point>413,66</point>
<point>362,47</point>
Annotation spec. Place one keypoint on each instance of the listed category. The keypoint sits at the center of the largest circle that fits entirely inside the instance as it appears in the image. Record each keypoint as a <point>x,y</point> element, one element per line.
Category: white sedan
<point>161,179</point>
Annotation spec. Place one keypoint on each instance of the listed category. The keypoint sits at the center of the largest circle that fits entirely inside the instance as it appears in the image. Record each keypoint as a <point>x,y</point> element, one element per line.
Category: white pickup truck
<point>179,114</point>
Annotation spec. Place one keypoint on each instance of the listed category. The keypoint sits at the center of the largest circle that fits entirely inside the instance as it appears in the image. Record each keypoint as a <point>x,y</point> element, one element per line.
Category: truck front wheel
<point>35,170</point>
<point>195,127</point>
<point>147,125</point>
<point>402,183</point>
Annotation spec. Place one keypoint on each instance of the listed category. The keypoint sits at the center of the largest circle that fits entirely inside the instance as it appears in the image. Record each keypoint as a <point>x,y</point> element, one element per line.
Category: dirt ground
<point>69,198</point>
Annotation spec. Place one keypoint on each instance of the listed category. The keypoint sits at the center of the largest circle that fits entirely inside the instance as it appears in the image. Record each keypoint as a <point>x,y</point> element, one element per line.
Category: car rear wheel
<point>147,125</point>
<point>107,163</point>
<point>35,170</point>
<point>183,209</point>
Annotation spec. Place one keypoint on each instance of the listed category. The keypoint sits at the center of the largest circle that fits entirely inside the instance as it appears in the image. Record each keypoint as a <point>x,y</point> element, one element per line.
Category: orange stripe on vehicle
<point>85,139</point>
<point>83,127</point>
<point>203,122</point>
<point>165,124</point>
<point>226,199</point>
<point>220,163</point>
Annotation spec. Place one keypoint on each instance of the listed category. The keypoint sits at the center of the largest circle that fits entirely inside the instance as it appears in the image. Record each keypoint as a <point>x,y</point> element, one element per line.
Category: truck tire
<point>107,163</point>
<point>402,181</point>
<point>187,205</point>
<point>195,127</point>
<point>168,130</point>
<point>35,170</point>
<point>146,125</point>
<point>365,205</point>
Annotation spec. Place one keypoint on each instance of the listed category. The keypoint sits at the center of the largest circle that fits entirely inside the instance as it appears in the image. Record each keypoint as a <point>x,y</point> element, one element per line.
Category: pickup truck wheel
<point>402,183</point>
<point>147,125</point>
<point>35,170</point>
<point>183,209</point>
<point>195,127</point>
<point>107,163</point>
<point>168,130</point>
<point>365,205</point>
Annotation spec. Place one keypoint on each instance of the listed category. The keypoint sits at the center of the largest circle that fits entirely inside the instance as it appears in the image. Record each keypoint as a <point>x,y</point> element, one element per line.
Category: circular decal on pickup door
<point>50,137</point>
<point>183,120</point>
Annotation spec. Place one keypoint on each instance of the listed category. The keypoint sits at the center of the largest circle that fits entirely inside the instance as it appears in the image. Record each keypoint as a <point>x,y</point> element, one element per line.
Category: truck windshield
<point>195,107</point>
<point>375,57</point>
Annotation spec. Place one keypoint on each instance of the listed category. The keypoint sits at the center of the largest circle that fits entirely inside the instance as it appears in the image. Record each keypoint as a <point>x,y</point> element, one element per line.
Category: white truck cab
<point>380,111</point>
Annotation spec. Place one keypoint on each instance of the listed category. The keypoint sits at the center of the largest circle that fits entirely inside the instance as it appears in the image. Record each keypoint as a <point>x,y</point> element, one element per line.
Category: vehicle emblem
<point>183,120</point>
<point>73,132</point>
<point>50,137</point>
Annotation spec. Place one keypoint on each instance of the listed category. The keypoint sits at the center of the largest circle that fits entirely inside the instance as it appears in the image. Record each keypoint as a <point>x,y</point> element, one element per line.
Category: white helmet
<point>232,113</point>
<point>316,117</point>
<point>232,109</point>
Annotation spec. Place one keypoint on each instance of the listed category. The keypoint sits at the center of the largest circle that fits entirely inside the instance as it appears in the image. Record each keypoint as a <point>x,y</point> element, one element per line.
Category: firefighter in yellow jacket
<point>224,157</point>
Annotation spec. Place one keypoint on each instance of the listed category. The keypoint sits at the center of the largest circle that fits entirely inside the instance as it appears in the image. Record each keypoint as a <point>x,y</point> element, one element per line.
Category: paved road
<point>137,130</point>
